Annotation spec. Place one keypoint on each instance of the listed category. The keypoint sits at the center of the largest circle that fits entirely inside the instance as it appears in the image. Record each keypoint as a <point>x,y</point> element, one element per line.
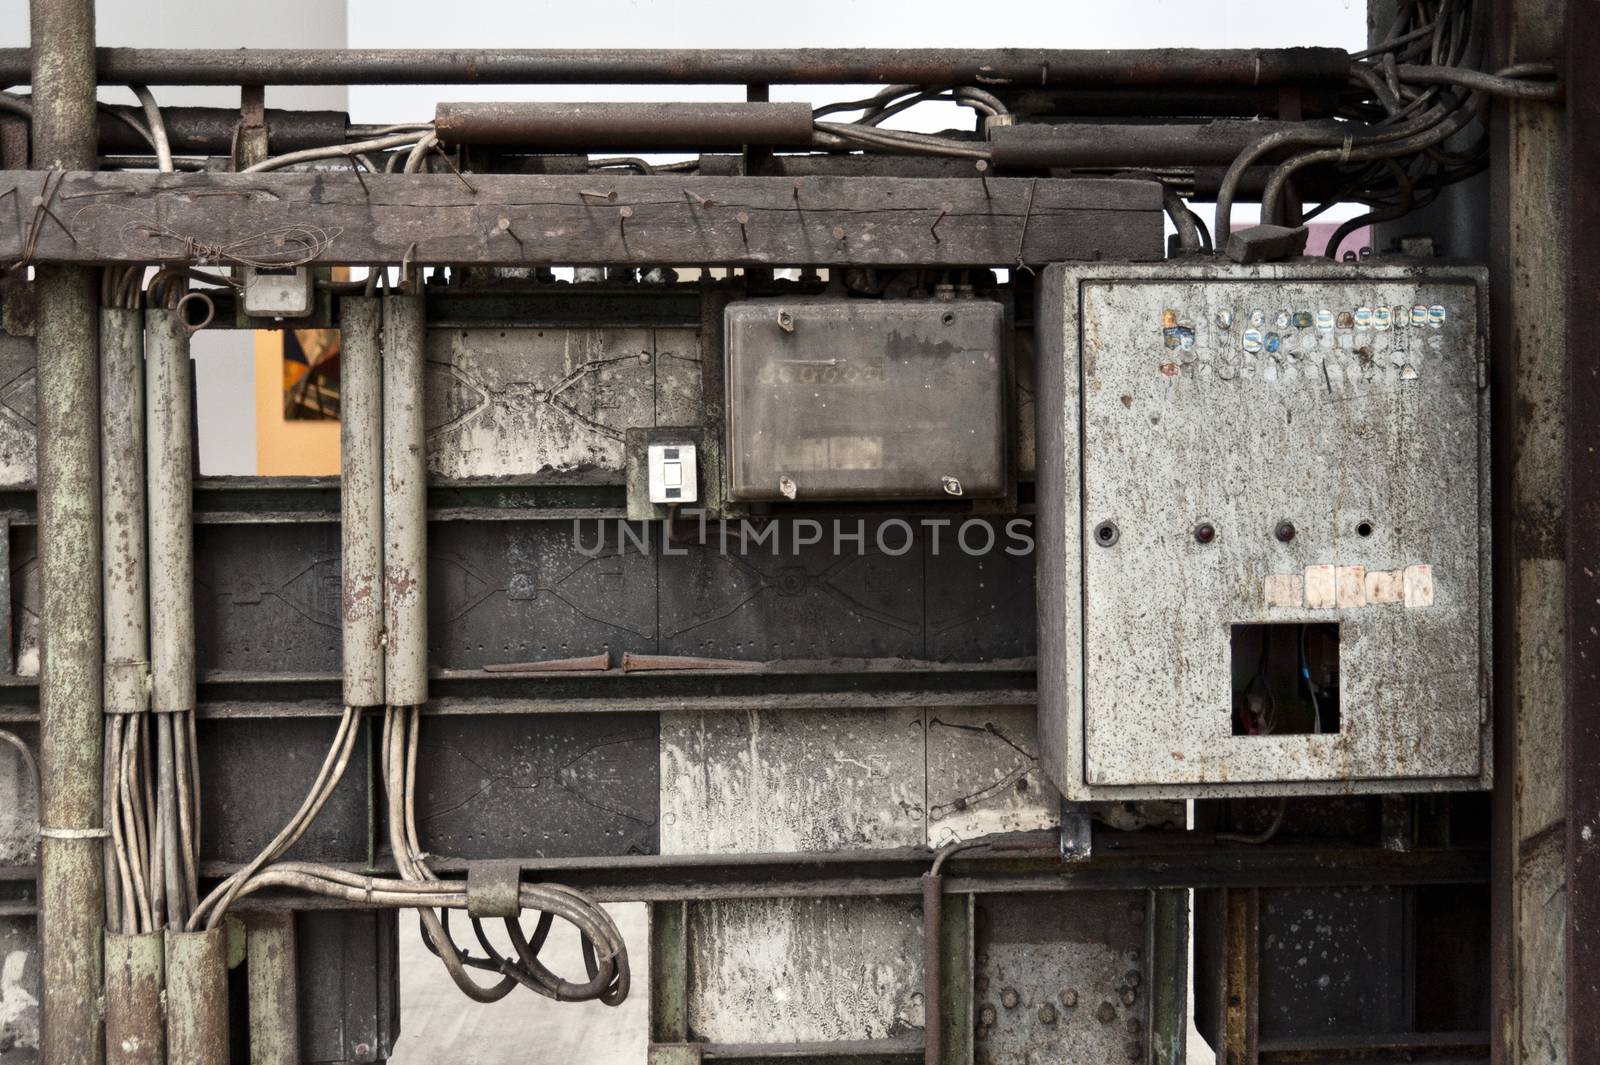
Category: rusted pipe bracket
<point>493,889</point>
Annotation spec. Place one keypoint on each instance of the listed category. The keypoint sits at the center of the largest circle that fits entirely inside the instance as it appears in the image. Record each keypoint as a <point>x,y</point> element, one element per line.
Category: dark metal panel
<point>547,786</point>
<point>349,977</point>
<point>503,592</point>
<point>267,597</point>
<point>980,607</point>
<point>245,805</point>
<point>1582,40</point>
<point>1333,962</point>
<point>783,598</point>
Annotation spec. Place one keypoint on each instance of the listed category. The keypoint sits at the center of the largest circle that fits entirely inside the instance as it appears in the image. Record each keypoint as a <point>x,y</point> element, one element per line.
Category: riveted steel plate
<point>1063,980</point>
<point>1346,401</point>
<point>866,399</point>
<point>552,401</point>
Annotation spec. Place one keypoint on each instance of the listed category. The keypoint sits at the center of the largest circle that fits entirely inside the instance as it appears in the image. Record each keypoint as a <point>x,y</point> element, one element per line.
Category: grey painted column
<point>71,876</point>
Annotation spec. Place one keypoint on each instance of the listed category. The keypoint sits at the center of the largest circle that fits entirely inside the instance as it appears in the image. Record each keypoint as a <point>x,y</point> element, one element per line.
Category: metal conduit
<point>362,529</point>
<point>405,525</point>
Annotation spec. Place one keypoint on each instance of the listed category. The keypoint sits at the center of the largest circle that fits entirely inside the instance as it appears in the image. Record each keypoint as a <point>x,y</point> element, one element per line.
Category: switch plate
<point>673,473</point>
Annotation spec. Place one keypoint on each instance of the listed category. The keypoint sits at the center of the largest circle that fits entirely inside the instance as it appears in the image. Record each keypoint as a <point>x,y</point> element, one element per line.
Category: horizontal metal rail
<point>1026,67</point>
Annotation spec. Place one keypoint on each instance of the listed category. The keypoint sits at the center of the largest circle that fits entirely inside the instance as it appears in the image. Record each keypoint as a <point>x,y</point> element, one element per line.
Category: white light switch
<point>672,473</point>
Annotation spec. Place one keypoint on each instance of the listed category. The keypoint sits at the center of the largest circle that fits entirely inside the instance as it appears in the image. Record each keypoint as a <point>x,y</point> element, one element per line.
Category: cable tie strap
<point>1344,152</point>
<point>74,833</point>
<point>493,889</point>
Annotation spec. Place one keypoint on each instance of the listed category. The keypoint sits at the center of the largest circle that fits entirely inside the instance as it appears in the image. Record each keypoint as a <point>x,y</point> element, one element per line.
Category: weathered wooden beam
<point>332,217</point>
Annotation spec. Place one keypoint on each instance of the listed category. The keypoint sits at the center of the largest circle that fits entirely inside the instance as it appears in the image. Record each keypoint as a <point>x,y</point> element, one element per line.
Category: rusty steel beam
<point>498,219</point>
<point>1039,146</point>
<point>71,869</point>
<point>617,125</point>
<point>1026,67</point>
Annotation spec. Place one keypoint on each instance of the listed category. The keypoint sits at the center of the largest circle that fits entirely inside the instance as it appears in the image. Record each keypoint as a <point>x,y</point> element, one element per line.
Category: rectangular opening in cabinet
<point>1285,679</point>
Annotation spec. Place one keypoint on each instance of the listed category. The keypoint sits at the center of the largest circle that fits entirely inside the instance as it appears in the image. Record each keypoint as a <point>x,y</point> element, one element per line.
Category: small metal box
<point>673,477</point>
<point>278,292</point>
<point>1263,529</point>
<point>833,399</point>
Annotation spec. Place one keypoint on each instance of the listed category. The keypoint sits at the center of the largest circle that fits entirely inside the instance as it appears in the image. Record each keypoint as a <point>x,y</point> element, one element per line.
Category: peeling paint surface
<point>764,781</point>
<point>19,991</point>
<point>542,400</point>
<point>984,774</point>
<point>801,970</point>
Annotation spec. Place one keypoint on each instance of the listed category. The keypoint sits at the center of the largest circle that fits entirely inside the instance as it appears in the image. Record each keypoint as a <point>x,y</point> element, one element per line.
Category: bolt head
<point>1009,998</point>
<point>1069,997</point>
<point>986,1015</point>
<point>1047,1014</point>
<point>1284,530</point>
<point>1205,532</point>
<point>1106,1013</point>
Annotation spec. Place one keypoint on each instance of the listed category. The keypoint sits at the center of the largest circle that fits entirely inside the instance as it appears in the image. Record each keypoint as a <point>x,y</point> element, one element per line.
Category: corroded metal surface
<point>18,411</point>
<point>169,387</point>
<point>274,989</point>
<point>625,125</point>
<point>135,975</point>
<point>197,997</point>
<point>405,483</point>
<point>361,499</point>
<point>770,781</point>
<point>753,966</point>
<point>1366,434</point>
<point>71,870</point>
<point>122,520</point>
<point>1065,982</point>
<point>926,66</point>
<point>552,402</point>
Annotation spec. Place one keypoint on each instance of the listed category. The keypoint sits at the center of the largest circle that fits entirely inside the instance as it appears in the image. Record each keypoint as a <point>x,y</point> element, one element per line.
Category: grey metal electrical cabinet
<point>833,399</point>
<point>1263,529</point>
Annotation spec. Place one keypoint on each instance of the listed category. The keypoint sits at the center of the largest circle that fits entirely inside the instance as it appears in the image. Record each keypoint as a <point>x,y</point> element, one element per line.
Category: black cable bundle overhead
<point>1408,99</point>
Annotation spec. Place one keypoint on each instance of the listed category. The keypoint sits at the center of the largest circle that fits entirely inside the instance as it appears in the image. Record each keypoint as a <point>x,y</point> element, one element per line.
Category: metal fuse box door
<point>832,399</point>
<point>1261,485</point>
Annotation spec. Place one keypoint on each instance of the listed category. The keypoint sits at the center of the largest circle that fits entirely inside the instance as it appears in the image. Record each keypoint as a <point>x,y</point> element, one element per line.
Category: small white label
<point>1321,588</point>
<point>672,473</point>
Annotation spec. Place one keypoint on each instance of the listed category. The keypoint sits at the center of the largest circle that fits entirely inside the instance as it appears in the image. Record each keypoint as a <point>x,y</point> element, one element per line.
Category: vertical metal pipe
<point>197,997</point>
<point>123,517</point>
<point>71,876</point>
<point>169,381</point>
<point>933,969</point>
<point>405,515</point>
<point>135,972</point>
<point>122,573</point>
<point>169,417</point>
<point>361,498</point>
<point>273,978</point>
